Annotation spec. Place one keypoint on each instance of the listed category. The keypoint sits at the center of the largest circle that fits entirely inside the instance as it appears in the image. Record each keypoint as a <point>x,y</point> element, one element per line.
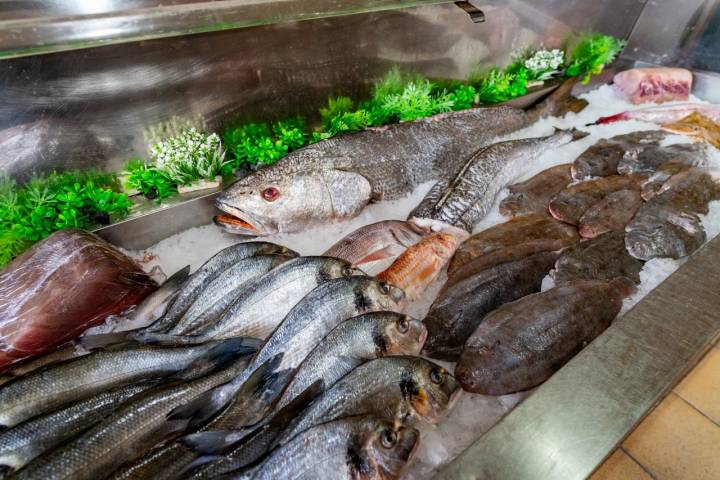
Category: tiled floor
<point>680,439</point>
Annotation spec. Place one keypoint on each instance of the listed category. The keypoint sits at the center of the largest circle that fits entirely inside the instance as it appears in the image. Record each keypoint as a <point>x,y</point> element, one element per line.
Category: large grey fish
<point>506,242</point>
<point>461,307</point>
<point>601,258</point>
<point>398,389</point>
<point>47,389</point>
<point>207,273</point>
<point>648,160</point>
<point>611,213</point>
<point>471,194</point>
<point>356,448</point>
<point>129,432</point>
<point>534,195</point>
<point>336,178</point>
<point>375,242</point>
<point>522,343</point>
<point>668,225</point>
<point>304,326</point>
<point>222,291</point>
<point>262,303</point>
<point>354,342</point>
<point>29,439</point>
<point>602,159</point>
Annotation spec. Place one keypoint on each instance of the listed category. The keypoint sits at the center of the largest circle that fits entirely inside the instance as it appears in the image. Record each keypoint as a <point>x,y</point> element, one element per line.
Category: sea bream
<point>335,179</point>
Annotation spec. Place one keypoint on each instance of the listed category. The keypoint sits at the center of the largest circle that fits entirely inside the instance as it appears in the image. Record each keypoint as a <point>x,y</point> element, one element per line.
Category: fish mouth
<point>235,221</point>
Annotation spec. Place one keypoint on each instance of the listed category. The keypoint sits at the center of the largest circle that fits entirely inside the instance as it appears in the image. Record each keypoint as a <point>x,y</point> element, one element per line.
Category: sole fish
<point>521,344</point>
<point>570,204</point>
<point>534,195</point>
<point>650,159</point>
<point>611,213</point>
<point>509,241</point>
<point>461,307</point>
<point>602,258</point>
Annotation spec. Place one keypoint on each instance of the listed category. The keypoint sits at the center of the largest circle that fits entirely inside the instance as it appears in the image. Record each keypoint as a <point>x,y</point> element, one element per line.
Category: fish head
<point>268,248</point>
<point>400,334</point>
<point>429,389</point>
<point>278,200</point>
<point>333,268</point>
<point>390,448</point>
<point>372,295</point>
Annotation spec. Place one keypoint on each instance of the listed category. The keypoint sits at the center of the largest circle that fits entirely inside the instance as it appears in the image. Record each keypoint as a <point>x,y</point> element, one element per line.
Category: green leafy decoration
<point>590,53</point>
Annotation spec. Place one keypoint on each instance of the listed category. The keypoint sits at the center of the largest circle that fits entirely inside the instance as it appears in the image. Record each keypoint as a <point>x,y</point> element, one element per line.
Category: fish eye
<point>347,271</point>
<point>389,438</point>
<point>384,288</point>
<point>436,376</point>
<point>270,194</point>
<point>403,325</point>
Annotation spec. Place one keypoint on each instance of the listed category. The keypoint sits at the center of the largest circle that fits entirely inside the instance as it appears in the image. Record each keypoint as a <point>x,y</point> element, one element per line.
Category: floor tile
<point>619,466</point>
<point>701,387</point>
<point>677,442</point>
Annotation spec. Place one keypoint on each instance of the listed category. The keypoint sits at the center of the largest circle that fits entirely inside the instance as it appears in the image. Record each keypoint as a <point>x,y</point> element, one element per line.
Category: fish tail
<point>220,355</point>
<point>260,394</point>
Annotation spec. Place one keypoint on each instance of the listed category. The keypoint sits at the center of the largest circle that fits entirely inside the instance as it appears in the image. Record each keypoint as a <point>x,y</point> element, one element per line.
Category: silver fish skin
<point>397,389</point>
<point>378,241</point>
<point>207,273</point>
<point>222,291</point>
<point>155,304</point>
<point>264,302</point>
<point>128,433</point>
<point>303,328</point>
<point>354,342</point>
<point>164,463</point>
<point>47,389</point>
<point>471,194</point>
<point>22,443</point>
<point>351,448</point>
<point>336,178</point>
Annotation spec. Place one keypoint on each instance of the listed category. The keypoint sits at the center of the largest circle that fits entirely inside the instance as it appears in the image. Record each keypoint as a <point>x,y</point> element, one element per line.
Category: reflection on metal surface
<point>476,15</point>
<point>89,108</point>
<point>575,419</point>
<point>29,28</point>
<point>683,34</point>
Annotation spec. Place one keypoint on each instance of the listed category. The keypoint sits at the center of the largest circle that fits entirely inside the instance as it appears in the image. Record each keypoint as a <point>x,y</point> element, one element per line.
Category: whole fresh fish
<point>397,389</point>
<point>602,258</point>
<point>354,342</point>
<point>665,113</point>
<point>375,242</point>
<point>472,192</point>
<point>521,344</point>
<point>461,307</point>
<point>262,303</point>
<point>602,158</point>
<point>22,443</point>
<point>611,213</point>
<point>223,291</point>
<point>64,284</point>
<point>128,433</point>
<point>650,159</point>
<point>199,280</point>
<point>336,178</point>
<point>534,195</point>
<point>67,352</point>
<point>355,448</point>
<point>652,185</point>
<point>698,127</point>
<point>47,389</point>
<point>570,204</point>
<point>155,304</point>
<point>303,328</point>
<point>509,241</point>
<point>420,264</point>
<point>690,190</point>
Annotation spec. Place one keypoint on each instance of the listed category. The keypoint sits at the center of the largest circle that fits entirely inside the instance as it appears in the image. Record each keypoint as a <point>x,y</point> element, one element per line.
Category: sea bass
<point>472,192</point>
<point>521,344</point>
<point>406,390</point>
<point>336,178</point>
<point>461,307</point>
<point>534,195</point>
<point>354,342</point>
<point>378,241</point>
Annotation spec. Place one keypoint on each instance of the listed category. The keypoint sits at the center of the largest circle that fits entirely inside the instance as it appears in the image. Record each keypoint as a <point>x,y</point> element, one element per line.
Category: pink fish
<point>664,113</point>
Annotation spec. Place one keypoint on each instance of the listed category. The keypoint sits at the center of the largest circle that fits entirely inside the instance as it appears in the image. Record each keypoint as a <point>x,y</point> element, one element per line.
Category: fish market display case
<point>82,81</point>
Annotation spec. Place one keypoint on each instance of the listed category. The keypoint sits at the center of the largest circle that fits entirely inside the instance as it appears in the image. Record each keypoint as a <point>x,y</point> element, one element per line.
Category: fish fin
<point>295,406</point>
<point>6,470</point>
<point>177,278</point>
<point>219,356</point>
<point>197,463</point>
<point>102,340</point>
<point>576,134</point>
<point>216,442</point>
<point>205,405</point>
<point>260,394</point>
<point>165,339</point>
<point>382,254</point>
<point>624,286</point>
